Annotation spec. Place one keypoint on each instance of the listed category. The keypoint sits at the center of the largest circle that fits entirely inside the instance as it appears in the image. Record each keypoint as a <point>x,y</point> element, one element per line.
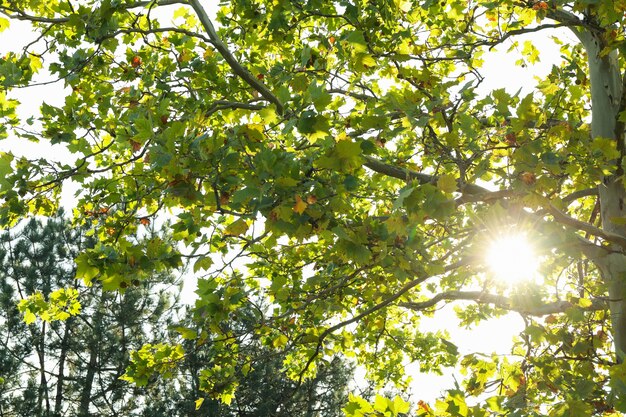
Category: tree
<point>72,359</point>
<point>58,366</point>
<point>340,149</point>
<point>264,390</point>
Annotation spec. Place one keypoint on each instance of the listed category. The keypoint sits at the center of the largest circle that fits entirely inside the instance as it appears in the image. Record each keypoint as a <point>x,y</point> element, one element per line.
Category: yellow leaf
<point>367,60</point>
<point>380,403</point>
<point>199,402</point>
<point>236,228</point>
<point>227,398</point>
<point>446,183</point>
<point>300,205</point>
<point>35,62</point>
<point>268,115</point>
<point>29,317</point>
<point>400,406</point>
<point>403,5</point>
<point>280,341</point>
<point>246,368</point>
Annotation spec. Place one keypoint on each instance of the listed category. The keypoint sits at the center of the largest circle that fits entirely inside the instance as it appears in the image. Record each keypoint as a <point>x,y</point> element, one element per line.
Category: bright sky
<point>499,71</point>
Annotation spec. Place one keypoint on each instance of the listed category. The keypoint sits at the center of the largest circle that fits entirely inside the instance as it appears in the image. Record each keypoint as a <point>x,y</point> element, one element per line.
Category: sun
<point>511,259</point>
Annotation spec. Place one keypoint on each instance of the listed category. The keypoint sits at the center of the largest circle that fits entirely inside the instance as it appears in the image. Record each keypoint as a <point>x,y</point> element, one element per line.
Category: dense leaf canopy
<point>346,163</point>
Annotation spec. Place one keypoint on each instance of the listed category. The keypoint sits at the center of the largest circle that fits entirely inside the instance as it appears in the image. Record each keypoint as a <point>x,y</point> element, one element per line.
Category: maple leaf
<point>300,205</point>
<point>237,228</point>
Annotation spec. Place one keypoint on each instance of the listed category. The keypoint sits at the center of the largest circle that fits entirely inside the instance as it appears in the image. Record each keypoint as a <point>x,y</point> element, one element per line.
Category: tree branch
<point>407,174</point>
<point>149,2</point>
<point>376,307</point>
<point>580,28</point>
<point>563,218</point>
<point>237,68</point>
<point>358,96</point>
<point>18,14</point>
<point>580,194</point>
<point>486,122</point>
<point>155,30</point>
<point>523,31</point>
<point>503,302</point>
<point>476,193</point>
<point>224,104</point>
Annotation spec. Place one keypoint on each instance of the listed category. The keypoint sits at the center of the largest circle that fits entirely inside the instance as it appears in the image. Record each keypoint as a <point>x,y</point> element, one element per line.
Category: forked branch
<point>235,65</point>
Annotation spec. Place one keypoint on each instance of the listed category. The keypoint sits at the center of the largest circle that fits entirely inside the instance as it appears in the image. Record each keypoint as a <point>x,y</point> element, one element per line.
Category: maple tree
<point>343,151</point>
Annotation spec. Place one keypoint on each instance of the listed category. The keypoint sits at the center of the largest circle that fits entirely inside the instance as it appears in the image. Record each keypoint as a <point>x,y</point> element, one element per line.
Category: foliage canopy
<point>344,152</point>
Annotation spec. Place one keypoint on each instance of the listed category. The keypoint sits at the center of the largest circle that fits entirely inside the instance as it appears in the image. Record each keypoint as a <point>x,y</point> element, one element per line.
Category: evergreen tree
<point>72,366</point>
<point>264,388</point>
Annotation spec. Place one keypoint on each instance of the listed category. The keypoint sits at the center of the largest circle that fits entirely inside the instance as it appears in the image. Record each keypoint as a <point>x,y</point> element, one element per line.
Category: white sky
<point>499,71</point>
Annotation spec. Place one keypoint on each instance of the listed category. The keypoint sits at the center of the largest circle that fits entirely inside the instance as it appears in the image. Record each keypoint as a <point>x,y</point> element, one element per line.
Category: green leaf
<point>604,147</point>
<point>186,333</point>
<point>84,270</point>
<point>237,228</point>
<point>144,129</point>
<point>356,39</point>
<point>306,122</point>
<point>5,170</point>
<point>447,183</point>
<point>346,149</point>
<point>202,263</point>
<point>404,193</point>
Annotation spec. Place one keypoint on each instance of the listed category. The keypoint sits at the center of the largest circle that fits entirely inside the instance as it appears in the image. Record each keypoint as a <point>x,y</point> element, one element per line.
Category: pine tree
<point>264,388</point>
<point>72,366</point>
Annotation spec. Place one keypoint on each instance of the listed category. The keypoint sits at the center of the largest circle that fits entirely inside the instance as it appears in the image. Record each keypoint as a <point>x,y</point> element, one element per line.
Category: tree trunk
<point>85,395</point>
<point>43,381</point>
<point>58,399</point>
<point>606,98</point>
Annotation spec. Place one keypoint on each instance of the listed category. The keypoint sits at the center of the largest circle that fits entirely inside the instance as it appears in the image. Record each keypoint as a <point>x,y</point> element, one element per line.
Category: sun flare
<point>512,259</point>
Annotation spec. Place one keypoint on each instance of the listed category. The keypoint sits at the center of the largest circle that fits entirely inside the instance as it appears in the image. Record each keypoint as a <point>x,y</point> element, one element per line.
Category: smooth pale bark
<point>606,95</point>
<point>613,269</point>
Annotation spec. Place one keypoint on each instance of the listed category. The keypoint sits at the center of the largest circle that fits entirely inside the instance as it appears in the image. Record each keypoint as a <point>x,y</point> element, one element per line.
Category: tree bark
<point>606,97</point>
<point>94,338</point>
<point>85,395</point>
<point>43,381</point>
<point>58,399</point>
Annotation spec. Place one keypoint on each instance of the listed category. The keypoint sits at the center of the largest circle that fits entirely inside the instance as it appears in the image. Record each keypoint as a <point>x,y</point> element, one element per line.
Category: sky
<point>499,71</point>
